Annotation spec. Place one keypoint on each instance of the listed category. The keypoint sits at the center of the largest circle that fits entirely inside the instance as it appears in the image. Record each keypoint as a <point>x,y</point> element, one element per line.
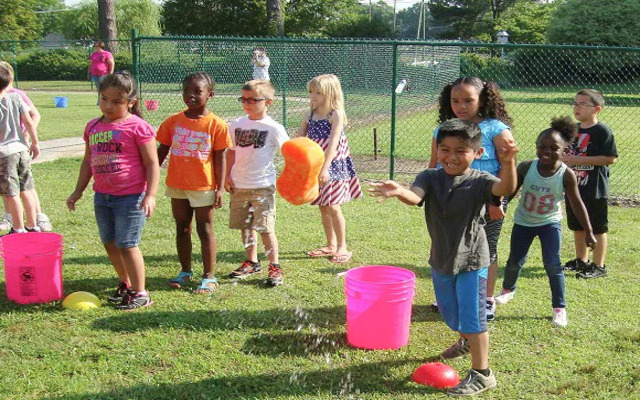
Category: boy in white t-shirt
<point>251,179</point>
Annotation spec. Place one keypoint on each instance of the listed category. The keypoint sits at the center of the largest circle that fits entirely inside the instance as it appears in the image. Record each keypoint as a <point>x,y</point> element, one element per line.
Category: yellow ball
<point>81,301</point>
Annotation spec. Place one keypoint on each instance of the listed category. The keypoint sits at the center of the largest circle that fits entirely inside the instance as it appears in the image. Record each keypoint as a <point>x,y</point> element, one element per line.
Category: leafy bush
<point>56,64</point>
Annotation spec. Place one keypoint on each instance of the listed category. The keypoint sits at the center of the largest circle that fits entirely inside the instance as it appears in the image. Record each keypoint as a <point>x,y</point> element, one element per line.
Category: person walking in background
<point>590,155</point>
<point>197,139</point>
<point>101,64</point>
<point>324,124</point>
<point>472,99</point>
<point>261,64</point>
<point>120,155</point>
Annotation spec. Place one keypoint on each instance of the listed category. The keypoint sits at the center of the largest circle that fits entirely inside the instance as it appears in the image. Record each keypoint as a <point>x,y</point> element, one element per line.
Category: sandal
<point>207,286</point>
<point>321,252</point>
<point>181,280</point>
<point>341,258</point>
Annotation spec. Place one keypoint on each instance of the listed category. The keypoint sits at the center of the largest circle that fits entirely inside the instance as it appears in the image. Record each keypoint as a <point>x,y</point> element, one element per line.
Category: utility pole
<point>394,16</point>
<point>370,13</point>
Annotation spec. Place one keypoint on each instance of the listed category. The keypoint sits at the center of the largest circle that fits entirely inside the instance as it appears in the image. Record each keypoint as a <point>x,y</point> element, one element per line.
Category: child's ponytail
<point>493,104</point>
<point>125,82</point>
<point>445,112</point>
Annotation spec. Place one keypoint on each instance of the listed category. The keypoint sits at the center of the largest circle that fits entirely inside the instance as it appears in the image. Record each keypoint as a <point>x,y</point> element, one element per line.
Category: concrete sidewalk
<point>60,148</point>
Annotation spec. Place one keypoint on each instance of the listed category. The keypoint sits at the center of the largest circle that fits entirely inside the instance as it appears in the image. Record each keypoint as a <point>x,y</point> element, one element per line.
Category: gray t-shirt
<point>454,209</point>
<point>11,139</point>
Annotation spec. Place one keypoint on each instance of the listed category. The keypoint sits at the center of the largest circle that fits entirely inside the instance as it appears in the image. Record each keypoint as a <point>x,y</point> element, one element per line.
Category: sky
<point>400,4</point>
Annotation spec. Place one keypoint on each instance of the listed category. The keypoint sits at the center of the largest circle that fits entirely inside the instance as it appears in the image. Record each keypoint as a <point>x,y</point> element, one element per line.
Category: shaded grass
<point>247,341</point>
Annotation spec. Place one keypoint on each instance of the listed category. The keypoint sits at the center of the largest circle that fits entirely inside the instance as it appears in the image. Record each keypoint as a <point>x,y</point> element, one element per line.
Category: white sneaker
<point>559,317</point>
<point>505,296</point>
<point>43,222</point>
<point>6,223</point>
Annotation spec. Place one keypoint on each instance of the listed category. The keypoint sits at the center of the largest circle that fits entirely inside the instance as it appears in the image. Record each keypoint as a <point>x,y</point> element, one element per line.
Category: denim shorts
<point>119,218</point>
<point>462,299</point>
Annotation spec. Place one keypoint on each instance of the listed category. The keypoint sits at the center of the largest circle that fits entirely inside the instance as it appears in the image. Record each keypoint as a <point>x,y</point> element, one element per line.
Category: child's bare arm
<point>571,189</point>
<point>302,131</point>
<point>163,150</point>
<point>149,155</point>
<point>433,158</point>
<point>84,177</point>
<point>30,129</point>
<point>508,175</point>
<point>387,189</point>
<point>219,172</point>
<point>231,159</point>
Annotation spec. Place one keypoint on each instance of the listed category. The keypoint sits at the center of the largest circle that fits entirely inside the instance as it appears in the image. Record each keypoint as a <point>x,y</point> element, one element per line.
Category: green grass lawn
<point>251,342</point>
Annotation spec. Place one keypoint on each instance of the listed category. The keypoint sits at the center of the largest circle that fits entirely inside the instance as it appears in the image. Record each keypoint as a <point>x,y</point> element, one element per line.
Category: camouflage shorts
<point>15,174</point>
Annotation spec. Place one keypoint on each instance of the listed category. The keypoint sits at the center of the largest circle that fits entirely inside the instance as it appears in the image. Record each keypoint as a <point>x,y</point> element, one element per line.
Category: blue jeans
<point>550,239</point>
<point>119,218</point>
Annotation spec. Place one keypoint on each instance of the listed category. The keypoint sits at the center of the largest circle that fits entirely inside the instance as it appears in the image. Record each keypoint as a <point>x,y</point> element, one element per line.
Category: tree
<point>107,23</point>
<point>215,17</point>
<point>468,18</point>
<point>593,22</point>
<point>143,15</point>
<point>361,23</point>
<point>526,22</point>
<point>275,17</point>
<point>50,15</point>
<point>314,17</point>
<point>18,20</point>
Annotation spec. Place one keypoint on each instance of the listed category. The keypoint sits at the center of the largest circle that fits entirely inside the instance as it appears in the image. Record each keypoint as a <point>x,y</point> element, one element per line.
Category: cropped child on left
<point>120,155</point>
<point>16,179</point>
<point>42,220</point>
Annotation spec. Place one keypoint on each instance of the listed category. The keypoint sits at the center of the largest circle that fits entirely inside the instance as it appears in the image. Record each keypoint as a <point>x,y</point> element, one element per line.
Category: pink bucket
<point>379,301</point>
<point>151,105</point>
<point>32,266</point>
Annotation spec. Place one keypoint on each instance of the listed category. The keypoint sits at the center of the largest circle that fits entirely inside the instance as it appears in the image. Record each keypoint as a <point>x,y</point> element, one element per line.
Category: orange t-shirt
<point>192,143</point>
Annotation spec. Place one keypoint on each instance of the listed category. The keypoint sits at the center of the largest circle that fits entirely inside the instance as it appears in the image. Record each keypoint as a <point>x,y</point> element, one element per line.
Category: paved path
<point>60,148</point>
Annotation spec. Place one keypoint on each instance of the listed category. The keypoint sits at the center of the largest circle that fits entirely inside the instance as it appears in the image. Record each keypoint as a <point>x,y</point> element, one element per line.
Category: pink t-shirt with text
<point>116,164</point>
<point>100,63</point>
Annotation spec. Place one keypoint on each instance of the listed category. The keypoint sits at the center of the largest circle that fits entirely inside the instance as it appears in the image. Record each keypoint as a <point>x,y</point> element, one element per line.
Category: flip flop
<point>341,258</point>
<point>320,252</point>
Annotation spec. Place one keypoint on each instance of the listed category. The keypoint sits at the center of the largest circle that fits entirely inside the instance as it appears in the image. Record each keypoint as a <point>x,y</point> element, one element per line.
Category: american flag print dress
<point>343,183</point>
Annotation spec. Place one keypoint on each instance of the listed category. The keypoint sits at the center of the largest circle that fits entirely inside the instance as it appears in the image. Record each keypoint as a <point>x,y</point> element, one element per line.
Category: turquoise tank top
<point>540,198</point>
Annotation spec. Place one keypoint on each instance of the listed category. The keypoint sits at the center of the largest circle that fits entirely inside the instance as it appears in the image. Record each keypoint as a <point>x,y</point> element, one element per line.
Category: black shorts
<point>598,211</point>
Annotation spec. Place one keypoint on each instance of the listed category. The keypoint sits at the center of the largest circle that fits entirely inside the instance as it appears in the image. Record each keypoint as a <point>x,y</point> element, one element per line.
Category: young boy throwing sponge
<point>454,197</point>
<point>590,155</point>
<point>251,179</point>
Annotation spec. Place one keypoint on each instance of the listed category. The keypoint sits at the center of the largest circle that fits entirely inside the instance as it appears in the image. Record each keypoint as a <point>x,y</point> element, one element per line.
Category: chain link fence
<point>390,133</point>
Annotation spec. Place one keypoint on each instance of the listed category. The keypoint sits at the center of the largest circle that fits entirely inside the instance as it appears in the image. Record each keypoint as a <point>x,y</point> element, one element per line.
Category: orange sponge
<point>303,158</point>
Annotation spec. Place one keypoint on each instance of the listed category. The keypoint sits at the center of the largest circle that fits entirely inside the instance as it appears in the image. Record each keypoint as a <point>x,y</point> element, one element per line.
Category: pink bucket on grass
<point>32,266</point>
<point>151,105</point>
<point>379,301</point>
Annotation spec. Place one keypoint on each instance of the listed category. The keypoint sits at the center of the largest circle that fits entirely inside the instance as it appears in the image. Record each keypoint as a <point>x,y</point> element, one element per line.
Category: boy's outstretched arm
<point>573,194</point>
<point>387,189</point>
<point>508,176</point>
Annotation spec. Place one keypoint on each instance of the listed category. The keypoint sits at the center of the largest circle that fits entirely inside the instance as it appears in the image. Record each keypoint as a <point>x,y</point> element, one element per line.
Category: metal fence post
<point>394,95</point>
<point>285,83</point>
<point>15,63</point>
<point>135,52</point>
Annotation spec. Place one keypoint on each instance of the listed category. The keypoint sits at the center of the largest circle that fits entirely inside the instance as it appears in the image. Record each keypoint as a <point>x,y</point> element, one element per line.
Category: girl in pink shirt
<point>120,155</point>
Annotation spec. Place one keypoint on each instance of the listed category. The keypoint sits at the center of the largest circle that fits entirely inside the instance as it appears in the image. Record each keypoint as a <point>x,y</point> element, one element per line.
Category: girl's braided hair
<point>125,82</point>
<point>491,102</point>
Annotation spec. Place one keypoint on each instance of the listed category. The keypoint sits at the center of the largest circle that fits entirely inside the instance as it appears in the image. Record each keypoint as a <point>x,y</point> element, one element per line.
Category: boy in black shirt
<point>590,155</point>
